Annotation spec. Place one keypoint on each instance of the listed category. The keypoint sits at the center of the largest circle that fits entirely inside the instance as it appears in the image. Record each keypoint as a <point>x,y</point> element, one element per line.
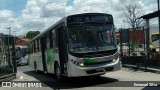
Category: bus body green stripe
<point>51,55</point>
<point>89,60</point>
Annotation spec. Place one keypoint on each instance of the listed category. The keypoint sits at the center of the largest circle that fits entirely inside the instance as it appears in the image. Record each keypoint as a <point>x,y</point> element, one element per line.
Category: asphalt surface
<point>119,80</point>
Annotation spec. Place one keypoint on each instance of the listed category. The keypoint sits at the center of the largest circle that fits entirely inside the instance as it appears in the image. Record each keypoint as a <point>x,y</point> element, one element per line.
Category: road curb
<point>148,69</point>
<point>8,77</point>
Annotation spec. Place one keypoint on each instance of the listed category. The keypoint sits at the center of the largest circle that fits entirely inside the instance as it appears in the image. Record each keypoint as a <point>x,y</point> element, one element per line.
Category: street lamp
<point>9,28</point>
<point>14,38</point>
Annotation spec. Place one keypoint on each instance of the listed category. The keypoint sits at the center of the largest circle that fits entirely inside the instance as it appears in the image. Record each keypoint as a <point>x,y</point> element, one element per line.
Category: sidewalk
<point>150,68</point>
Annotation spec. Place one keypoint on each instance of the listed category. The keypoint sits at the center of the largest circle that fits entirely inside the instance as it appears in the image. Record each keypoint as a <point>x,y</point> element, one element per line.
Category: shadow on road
<point>151,88</point>
<point>50,81</point>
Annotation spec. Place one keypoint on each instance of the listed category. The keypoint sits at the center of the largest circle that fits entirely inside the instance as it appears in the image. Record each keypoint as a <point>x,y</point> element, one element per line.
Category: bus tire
<point>35,68</point>
<point>58,72</point>
<point>97,76</point>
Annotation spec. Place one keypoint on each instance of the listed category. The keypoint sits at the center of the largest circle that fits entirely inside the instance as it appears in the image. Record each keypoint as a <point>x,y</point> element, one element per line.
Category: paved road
<point>25,73</point>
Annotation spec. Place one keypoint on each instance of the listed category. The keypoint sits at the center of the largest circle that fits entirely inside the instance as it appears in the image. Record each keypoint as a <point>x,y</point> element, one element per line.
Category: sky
<point>37,15</point>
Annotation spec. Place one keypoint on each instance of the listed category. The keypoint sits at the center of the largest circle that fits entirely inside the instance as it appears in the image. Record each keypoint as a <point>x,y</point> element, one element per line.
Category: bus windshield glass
<point>90,38</point>
<point>155,37</point>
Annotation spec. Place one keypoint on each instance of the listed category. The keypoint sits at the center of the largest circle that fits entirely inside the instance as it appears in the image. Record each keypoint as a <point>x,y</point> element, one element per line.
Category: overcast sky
<point>29,15</point>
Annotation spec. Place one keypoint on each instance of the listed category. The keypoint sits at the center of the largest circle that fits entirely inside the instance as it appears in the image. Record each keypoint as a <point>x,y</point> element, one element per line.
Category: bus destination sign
<point>90,18</point>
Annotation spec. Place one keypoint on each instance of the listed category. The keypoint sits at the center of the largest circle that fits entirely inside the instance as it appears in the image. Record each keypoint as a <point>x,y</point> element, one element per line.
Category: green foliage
<point>32,34</point>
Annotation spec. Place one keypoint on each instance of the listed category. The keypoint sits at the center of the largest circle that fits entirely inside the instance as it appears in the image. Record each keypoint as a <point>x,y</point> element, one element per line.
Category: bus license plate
<point>100,69</point>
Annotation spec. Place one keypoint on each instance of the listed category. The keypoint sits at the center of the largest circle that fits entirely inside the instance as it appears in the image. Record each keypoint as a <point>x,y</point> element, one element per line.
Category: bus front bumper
<point>76,71</point>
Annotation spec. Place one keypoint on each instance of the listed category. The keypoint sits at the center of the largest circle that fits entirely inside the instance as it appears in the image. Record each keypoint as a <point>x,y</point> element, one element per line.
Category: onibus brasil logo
<point>21,84</point>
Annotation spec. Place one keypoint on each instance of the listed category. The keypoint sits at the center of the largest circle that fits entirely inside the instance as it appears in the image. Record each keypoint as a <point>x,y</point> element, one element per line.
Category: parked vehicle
<point>21,55</point>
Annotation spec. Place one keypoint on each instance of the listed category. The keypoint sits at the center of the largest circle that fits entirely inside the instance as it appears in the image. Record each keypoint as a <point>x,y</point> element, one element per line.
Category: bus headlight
<point>115,58</point>
<point>81,64</point>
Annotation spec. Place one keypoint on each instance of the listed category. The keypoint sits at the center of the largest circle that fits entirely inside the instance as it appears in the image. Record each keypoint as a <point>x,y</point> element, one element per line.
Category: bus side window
<point>47,41</point>
<point>34,45</point>
<point>29,48</point>
<point>54,39</point>
<point>39,44</point>
<point>50,39</point>
<point>37,49</point>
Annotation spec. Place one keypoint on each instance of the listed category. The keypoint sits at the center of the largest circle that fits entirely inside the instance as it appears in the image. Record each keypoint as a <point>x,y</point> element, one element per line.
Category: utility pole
<point>9,60</point>
<point>14,54</point>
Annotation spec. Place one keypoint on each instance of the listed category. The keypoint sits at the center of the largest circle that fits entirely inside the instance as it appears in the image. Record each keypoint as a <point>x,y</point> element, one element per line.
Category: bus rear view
<point>92,45</point>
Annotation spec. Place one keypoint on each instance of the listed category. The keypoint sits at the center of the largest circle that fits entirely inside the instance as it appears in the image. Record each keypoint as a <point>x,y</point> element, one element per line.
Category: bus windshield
<point>155,37</point>
<point>91,38</point>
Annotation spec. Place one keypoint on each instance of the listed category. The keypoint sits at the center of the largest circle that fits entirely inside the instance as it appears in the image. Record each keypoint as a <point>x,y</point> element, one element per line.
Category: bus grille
<point>96,55</point>
<point>97,63</point>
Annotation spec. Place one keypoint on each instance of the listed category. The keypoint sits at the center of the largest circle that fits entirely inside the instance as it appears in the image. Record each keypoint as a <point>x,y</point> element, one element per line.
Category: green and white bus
<point>77,45</point>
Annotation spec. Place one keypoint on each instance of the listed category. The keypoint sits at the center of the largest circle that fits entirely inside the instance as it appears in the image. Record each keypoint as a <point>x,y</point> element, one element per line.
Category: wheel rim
<point>36,70</point>
<point>58,72</point>
<point>35,67</point>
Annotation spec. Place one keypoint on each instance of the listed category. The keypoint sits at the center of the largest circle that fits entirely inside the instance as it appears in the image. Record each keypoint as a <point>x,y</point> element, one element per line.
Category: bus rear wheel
<point>35,67</point>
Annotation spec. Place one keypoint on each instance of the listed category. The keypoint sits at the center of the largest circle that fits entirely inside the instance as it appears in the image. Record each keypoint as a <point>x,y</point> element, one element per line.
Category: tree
<point>132,11</point>
<point>32,34</point>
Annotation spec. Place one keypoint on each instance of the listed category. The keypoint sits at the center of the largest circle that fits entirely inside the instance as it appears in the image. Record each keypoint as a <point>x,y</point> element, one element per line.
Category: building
<point>127,35</point>
<point>21,40</point>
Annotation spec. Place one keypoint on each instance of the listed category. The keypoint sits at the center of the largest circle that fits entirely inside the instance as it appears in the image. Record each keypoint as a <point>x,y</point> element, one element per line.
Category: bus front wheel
<point>58,72</point>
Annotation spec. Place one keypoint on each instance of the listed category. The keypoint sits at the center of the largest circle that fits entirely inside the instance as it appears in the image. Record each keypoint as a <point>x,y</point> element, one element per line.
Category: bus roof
<point>48,29</point>
<point>88,14</point>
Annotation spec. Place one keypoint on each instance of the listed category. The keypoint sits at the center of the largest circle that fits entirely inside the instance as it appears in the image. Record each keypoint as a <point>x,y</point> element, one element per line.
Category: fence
<point>7,57</point>
<point>130,45</point>
<point>133,49</point>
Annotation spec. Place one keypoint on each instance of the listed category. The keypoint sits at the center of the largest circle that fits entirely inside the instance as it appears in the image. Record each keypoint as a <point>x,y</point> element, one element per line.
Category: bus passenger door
<point>43,45</point>
<point>62,46</point>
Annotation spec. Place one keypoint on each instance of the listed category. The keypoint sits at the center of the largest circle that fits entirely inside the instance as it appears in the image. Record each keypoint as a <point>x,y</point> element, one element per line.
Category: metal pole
<point>159,23</point>
<point>158,4</point>
<point>147,42</point>
<point>121,42</point>
<point>144,39</point>
<point>129,42</point>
